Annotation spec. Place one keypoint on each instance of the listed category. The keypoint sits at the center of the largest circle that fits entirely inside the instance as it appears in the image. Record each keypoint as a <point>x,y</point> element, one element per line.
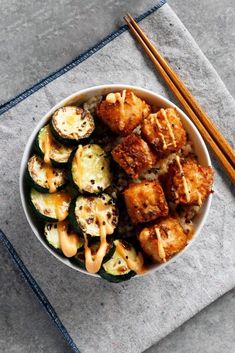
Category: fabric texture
<point>33,285</point>
<point>19,98</point>
<point>127,317</point>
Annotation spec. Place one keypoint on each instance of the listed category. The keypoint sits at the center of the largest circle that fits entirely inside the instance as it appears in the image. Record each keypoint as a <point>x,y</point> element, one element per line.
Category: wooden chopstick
<point>191,100</point>
<point>226,162</point>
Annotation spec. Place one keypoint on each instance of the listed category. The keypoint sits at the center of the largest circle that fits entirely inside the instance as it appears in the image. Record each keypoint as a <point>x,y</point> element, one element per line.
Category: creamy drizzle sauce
<point>162,136</point>
<point>134,97</point>
<point>186,188</point>
<point>70,119</point>
<point>199,197</point>
<point>160,243</point>
<point>61,214</point>
<point>50,176</point>
<point>104,224</point>
<point>78,163</point>
<point>93,262</point>
<point>111,98</point>
<point>47,147</point>
<point>57,201</point>
<point>134,265</point>
<point>118,97</point>
<point>68,243</point>
<point>169,127</point>
<point>122,103</point>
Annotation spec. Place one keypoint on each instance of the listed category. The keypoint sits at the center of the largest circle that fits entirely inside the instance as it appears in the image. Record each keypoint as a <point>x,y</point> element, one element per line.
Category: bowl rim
<point>80,93</point>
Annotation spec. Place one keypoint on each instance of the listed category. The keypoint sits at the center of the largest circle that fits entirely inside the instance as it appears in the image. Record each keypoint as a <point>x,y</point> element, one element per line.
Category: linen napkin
<point>128,317</point>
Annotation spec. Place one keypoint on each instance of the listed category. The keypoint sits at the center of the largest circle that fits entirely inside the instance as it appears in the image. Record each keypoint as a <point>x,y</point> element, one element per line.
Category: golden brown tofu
<point>122,111</point>
<point>134,155</point>
<point>145,201</point>
<point>162,240</point>
<point>187,182</point>
<point>164,131</point>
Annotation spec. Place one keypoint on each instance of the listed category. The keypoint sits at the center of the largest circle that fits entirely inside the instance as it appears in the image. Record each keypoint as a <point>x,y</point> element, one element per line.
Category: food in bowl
<point>116,184</point>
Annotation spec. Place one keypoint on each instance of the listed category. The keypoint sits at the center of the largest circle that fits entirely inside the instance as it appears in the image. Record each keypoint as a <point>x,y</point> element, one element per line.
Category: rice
<point>92,103</point>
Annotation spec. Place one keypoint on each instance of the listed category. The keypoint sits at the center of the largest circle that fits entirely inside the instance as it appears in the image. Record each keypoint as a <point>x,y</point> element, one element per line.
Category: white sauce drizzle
<point>78,164</point>
<point>93,262</point>
<point>118,97</point>
<point>50,176</point>
<point>60,203</point>
<point>186,188</point>
<point>169,127</point>
<point>162,136</point>
<point>47,148</point>
<point>160,243</point>
<point>164,114</point>
<point>199,197</point>
<point>68,243</point>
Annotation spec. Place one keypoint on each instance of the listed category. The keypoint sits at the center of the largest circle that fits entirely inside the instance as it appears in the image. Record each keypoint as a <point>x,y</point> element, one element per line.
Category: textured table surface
<point>212,26</point>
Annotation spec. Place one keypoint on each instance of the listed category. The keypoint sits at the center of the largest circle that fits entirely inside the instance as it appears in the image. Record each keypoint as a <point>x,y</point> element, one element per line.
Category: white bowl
<point>153,99</point>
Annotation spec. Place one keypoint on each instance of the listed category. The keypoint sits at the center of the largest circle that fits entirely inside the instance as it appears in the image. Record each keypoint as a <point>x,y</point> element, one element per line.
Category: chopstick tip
<point>128,18</point>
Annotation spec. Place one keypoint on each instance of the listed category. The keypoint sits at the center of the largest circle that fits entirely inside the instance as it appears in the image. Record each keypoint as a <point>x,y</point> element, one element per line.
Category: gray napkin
<point>103,317</point>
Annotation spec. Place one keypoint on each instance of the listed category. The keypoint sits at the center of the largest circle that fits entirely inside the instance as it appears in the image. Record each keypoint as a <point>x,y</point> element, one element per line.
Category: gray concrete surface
<point>22,318</point>
<point>210,331</point>
<point>39,37</point>
<point>211,23</point>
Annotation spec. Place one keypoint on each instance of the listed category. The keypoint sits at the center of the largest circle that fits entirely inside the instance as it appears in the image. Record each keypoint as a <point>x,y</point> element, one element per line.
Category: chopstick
<point>217,136</point>
<point>212,136</point>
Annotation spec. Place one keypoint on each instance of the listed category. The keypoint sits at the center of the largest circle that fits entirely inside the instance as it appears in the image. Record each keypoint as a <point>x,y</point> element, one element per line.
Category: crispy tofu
<point>145,201</point>
<point>162,240</point>
<point>164,131</point>
<point>122,112</point>
<point>134,155</point>
<point>187,182</point>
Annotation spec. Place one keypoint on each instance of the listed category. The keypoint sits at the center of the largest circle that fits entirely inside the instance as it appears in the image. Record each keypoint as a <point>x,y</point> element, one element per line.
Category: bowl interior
<point>82,96</point>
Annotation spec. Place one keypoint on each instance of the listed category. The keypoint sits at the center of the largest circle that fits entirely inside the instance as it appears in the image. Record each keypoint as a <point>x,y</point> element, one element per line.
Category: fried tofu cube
<point>163,240</point>
<point>134,155</point>
<point>187,182</point>
<point>145,201</point>
<point>122,112</point>
<point>164,131</point>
